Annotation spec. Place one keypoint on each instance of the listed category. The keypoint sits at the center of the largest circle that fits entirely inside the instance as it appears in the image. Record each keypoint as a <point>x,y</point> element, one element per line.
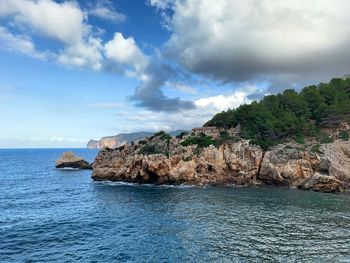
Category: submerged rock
<point>69,160</point>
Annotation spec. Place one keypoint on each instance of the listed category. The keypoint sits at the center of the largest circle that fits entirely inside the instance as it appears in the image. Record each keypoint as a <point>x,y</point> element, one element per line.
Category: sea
<point>52,215</point>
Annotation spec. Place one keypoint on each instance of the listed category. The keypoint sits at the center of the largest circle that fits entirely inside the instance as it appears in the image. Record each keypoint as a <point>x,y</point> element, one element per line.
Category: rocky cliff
<point>121,139</point>
<point>117,140</point>
<point>163,160</point>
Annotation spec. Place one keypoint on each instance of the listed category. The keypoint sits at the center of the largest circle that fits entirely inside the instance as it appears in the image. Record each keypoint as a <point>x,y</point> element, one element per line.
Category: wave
<point>111,183</point>
<point>68,169</point>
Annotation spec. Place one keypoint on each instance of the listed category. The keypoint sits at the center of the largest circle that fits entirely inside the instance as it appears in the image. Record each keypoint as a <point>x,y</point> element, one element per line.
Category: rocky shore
<point>164,160</point>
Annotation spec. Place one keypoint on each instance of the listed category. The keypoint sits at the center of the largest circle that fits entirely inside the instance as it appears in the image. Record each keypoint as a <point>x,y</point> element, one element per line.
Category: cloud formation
<point>125,51</point>
<point>245,40</point>
<point>105,10</point>
<point>149,93</point>
<point>282,43</point>
<point>67,23</point>
<point>19,43</point>
<point>64,22</point>
<point>204,109</point>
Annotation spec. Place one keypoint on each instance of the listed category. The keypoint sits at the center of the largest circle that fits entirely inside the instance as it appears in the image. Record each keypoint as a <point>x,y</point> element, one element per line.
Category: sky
<point>74,70</point>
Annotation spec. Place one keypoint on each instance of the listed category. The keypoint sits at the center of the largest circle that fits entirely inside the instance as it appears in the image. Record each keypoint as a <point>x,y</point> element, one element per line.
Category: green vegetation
<point>120,148</point>
<point>149,149</point>
<point>159,143</point>
<point>323,138</point>
<point>316,149</point>
<point>181,135</point>
<point>201,141</point>
<point>290,114</point>
<point>187,159</point>
<point>300,139</point>
<point>224,137</point>
<point>343,135</point>
<point>163,136</point>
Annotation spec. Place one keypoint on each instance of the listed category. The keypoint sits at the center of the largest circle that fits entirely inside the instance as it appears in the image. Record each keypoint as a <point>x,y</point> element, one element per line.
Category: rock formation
<point>161,160</point>
<point>69,160</point>
<point>235,163</point>
<point>121,139</point>
<point>285,166</point>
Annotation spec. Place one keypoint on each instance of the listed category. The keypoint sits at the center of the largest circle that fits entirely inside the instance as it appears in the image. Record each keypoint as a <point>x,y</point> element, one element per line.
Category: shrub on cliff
<point>181,135</point>
<point>162,135</point>
<point>343,135</point>
<point>200,141</point>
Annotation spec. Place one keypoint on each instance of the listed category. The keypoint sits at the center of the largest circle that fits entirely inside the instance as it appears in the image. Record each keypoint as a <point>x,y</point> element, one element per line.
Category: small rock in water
<point>69,160</point>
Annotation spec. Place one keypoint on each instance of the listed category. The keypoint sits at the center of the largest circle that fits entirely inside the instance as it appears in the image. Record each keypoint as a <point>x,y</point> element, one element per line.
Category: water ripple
<point>48,215</point>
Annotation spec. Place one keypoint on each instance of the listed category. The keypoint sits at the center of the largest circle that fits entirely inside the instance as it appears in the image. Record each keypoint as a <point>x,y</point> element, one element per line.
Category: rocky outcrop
<point>284,166</point>
<point>69,160</point>
<point>337,155</point>
<point>327,171</point>
<point>93,144</point>
<point>121,139</point>
<point>117,140</point>
<point>162,160</point>
<point>323,183</point>
<point>231,163</point>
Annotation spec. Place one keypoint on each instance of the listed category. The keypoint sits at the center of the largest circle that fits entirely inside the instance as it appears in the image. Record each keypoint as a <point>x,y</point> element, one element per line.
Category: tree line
<point>290,114</point>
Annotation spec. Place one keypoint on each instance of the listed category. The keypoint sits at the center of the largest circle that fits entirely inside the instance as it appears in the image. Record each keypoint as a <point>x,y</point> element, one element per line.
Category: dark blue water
<point>49,215</point>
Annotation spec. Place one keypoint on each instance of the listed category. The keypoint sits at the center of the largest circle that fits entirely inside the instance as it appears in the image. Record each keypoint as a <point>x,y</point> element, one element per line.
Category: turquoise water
<point>49,215</point>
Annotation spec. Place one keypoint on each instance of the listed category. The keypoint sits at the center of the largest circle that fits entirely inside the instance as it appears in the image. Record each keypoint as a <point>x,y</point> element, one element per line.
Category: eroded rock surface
<point>231,163</point>
<point>327,171</point>
<point>164,161</point>
<point>69,160</point>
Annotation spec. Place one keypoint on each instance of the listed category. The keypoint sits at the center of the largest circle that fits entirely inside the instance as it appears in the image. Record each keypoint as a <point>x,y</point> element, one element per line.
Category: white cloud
<point>222,102</point>
<point>106,11</point>
<point>125,51</point>
<point>64,22</point>
<point>238,40</point>
<point>19,43</point>
<point>168,121</point>
<point>83,54</point>
<point>162,4</point>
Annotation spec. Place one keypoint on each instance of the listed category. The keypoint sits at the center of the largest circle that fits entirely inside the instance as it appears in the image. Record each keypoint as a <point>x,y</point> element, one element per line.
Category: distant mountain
<point>121,139</point>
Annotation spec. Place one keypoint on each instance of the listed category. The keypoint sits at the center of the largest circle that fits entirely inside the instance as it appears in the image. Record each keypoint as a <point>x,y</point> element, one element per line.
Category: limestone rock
<point>324,183</point>
<point>163,160</point>
<point>231,163</point>
<point>69,160</point>
<point>338,156</point>
<point>286,167</point>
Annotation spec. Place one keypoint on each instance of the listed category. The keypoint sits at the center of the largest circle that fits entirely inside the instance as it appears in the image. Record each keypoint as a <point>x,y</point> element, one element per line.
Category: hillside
<point>291,114</point>
<point>121,139</point>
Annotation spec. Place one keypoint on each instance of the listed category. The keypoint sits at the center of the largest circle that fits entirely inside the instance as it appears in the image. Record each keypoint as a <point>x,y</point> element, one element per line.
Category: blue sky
<point>75,70</point>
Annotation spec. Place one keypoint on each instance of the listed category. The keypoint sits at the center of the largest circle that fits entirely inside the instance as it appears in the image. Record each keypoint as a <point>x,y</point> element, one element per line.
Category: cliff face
<point>230,164</point>
<point>236,163</point>
<point>117,140</point>
<point>121,139</point>
<point>322,171</point>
